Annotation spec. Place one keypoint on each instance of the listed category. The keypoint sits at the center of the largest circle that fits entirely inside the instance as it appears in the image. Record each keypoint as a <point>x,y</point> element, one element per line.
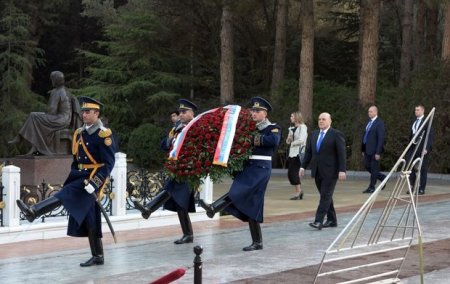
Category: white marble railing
<point>124,219</point>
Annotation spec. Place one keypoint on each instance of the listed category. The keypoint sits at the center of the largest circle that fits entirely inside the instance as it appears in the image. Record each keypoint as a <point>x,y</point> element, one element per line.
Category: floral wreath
<point>204,147</point>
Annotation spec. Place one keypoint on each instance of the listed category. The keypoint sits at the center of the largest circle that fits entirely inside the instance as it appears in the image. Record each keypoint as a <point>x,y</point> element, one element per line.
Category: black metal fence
<point>34,194</point>
<point>142,185</point>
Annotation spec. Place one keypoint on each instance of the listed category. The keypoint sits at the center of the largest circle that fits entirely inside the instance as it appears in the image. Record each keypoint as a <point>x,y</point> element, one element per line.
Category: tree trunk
<point>280,45</point>
<point>369,51</point>
<point>431,39</point>
<point>419,41</point>
<point>227,57</point>
<point>191,69</point>
<point>307,60</point>
<point>446,34</point>
<point>406,50</point>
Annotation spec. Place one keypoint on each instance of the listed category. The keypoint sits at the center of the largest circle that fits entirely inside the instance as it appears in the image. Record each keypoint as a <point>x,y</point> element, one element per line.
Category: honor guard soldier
<point>175,118</point>
<point>176,196</point>
<point>245,200</point>
<point>93,160</point>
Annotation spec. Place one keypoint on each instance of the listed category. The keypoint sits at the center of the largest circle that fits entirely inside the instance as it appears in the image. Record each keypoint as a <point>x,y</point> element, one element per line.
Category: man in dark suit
<point>419,112</point>
<point>325,150</point>
<point>372,146</point>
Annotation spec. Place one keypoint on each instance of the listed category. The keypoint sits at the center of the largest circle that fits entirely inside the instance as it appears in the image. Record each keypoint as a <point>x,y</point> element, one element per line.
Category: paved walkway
<point>292,250</point>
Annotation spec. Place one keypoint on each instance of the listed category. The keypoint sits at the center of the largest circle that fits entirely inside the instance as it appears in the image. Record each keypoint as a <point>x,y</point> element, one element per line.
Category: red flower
<point>195,160</point>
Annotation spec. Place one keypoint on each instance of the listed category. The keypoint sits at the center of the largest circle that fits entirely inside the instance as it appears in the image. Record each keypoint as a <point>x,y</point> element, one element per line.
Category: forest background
<point>139,56</point>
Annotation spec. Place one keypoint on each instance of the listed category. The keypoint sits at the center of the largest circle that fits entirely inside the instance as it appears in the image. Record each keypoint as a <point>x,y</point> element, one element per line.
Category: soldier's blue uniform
<point>245,200</point>
<point>93,161</point>
<point>181,195</point>
<point>249,186</point>
<point>176,196</point>
<point>93,149</point>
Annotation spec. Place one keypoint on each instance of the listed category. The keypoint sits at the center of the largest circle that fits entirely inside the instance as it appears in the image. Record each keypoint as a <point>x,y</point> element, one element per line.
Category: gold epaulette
<point>103,133</point>
<point>74,141</point>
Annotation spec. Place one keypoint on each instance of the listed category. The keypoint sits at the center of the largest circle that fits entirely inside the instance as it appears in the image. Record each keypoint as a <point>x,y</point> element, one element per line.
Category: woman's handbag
<point>301,154</point>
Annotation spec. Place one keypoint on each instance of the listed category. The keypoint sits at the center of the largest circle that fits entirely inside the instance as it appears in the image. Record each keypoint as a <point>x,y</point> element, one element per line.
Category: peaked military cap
<point>259,103</point>
<point>87,103</point>
<point>186,105</point>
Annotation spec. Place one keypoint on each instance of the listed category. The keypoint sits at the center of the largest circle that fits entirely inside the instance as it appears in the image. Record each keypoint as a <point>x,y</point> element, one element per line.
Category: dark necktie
<point>366,133</point>
<point>415,126</point>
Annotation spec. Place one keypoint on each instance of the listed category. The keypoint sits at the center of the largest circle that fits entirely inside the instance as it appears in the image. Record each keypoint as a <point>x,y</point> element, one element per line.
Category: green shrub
<point>431,88</point>
<point>144,146</point>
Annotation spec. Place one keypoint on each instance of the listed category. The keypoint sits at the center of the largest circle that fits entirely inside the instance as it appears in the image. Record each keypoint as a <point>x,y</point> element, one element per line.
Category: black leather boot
<point>96,250</point>
<point>217,206</point>
<point>153,205</point>
<point>186,227</point>
<point>38,209</point>
<point>255,231</point>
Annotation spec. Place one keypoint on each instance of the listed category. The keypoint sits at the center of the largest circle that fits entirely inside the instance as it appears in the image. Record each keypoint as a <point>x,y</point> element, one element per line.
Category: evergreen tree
<point>137,75</point>
<point>18,55</point>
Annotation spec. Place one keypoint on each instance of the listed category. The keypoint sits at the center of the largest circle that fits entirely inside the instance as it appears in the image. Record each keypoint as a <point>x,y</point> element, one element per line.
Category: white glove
<point>89,188</point>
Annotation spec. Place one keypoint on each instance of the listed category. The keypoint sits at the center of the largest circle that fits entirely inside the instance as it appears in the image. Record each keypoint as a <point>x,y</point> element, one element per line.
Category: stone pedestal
<point>36,169</point>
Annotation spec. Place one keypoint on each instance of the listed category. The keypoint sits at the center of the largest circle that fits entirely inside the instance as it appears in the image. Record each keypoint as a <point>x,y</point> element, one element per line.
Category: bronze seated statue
<point>50,132</point>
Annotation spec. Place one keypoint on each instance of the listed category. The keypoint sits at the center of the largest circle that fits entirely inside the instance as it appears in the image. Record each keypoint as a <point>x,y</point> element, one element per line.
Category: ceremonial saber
<point>106,218</point>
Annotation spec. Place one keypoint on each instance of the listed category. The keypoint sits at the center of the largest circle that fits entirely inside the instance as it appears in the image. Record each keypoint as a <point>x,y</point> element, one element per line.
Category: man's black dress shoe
<point>316,225</point>
<point>369,190</point>
<point>329,224</point>
<point>421,192</point>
